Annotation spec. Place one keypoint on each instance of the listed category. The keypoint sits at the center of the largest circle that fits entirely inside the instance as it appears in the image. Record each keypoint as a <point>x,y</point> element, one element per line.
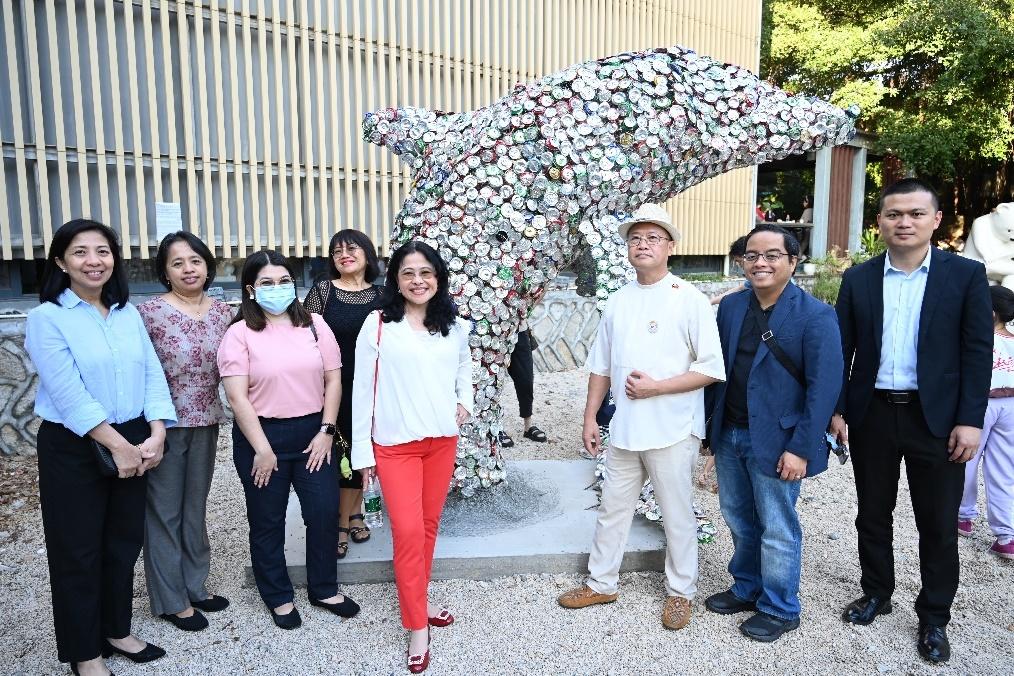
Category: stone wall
<point>564,324</point>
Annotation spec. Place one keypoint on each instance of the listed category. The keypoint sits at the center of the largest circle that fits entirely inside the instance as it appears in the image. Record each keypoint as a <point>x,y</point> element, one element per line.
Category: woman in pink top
<point>282,373</point>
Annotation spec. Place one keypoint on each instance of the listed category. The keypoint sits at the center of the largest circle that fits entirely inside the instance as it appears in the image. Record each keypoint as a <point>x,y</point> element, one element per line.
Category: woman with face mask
<point>281,368</point>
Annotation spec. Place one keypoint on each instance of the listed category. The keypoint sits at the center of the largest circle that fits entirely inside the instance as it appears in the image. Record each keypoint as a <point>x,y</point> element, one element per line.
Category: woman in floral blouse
<point>186,327</point>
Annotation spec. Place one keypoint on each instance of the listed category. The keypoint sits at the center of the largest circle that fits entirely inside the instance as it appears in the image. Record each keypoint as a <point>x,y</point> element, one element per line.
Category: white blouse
<point>423,378</point>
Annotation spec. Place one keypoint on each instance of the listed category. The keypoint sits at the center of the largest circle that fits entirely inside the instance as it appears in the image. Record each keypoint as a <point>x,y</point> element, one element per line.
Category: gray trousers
<point>177,553</point>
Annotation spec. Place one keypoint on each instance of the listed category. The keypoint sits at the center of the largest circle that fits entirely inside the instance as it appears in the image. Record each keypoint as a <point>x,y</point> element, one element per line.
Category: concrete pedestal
<point>541,522</point>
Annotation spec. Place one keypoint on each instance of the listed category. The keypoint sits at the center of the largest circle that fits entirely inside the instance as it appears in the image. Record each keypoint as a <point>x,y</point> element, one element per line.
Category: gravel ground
<point>513,624</point>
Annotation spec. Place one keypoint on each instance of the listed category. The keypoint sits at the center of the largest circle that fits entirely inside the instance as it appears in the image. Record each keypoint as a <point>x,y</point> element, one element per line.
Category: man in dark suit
<point>767,425</point>
<point>916,327</point>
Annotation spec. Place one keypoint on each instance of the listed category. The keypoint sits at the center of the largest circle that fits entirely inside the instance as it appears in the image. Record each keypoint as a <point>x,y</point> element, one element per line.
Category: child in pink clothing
<point>996,449</point>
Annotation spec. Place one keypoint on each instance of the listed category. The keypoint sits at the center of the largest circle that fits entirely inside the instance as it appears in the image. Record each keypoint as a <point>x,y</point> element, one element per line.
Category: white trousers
<point>670,470</point>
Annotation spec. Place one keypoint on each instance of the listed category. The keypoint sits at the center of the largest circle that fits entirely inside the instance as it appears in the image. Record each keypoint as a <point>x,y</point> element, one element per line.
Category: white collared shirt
<point>663,329</point>
<point>903,295</point>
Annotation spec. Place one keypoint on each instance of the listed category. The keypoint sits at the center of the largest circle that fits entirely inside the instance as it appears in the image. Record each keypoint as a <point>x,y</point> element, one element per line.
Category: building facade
<point>240,119</point>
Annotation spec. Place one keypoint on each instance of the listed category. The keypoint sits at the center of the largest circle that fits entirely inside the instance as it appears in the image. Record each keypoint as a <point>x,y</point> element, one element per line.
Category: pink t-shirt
<point>284,363</point>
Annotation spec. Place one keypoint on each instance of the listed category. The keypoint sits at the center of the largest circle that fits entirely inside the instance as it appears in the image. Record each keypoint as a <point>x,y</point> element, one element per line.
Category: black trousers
<point>522,372</point>
<point>889,433</point>
<point>94,528</point>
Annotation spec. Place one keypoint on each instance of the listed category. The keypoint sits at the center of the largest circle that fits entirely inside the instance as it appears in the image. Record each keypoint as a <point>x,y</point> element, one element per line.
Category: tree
<point>935,80</point>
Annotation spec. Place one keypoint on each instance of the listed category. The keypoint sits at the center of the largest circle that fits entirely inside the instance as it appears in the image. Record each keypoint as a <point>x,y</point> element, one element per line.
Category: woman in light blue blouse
<point>100,386</point>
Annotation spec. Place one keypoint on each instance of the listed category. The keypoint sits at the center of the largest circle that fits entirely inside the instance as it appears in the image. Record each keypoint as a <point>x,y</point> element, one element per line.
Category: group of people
<point>901,367</point>
<point>359,381</point>
<point>128,398</point>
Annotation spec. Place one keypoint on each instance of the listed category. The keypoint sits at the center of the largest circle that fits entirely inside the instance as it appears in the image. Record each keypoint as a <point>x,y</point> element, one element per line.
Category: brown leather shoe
<point>676,612</point>
<point>584,596</point>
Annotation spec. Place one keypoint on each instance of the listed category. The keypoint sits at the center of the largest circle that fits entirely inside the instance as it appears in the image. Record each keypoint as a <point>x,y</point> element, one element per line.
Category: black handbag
<point>768,338</point>
<point>104,460</point>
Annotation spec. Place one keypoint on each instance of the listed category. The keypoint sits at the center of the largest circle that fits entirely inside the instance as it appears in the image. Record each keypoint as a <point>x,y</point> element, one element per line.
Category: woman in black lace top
<point>343,301</point>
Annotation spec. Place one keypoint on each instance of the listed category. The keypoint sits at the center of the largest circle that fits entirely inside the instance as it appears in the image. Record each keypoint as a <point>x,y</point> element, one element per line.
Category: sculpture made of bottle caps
<point>512,193</point>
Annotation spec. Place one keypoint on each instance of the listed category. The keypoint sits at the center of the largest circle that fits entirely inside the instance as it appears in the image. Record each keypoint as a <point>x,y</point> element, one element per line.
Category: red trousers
<point>414,478</point>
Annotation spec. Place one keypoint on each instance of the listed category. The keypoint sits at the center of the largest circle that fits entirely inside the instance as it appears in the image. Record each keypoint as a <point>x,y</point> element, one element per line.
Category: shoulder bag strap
<point>376,368</point>
<point>769,339</point>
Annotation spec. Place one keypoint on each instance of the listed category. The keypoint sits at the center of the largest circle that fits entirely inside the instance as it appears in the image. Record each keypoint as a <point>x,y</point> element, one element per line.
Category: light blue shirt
<point>903,295</point>
<point>94,369</point>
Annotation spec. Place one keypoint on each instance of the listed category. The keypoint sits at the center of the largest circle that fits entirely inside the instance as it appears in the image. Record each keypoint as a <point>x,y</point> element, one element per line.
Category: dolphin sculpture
<point>512,193</point>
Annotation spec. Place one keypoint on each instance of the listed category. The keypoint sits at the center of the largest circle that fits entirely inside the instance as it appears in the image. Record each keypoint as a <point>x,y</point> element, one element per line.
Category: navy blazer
<point>954,361</point>
<point>784,416</point>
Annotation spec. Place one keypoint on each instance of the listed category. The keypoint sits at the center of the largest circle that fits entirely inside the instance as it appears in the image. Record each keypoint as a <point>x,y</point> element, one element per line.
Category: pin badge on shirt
<point>652,326</point>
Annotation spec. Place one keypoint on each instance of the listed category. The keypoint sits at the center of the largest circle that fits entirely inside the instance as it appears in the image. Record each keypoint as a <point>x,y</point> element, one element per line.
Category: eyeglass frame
<point>772,256</point>
<point>635,240</point>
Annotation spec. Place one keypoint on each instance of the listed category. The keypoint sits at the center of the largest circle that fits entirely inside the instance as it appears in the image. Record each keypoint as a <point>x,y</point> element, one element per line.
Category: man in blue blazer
<point>767,428</point>
<point>917,334</point>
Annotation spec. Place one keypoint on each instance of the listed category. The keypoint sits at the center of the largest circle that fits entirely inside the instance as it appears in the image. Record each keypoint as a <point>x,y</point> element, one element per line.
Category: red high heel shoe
<point>418,663</point>
<point>442,619</point>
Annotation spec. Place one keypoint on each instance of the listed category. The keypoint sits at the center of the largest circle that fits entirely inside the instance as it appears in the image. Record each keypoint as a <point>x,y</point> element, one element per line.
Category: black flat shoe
<point>212,604</point>
<point>347,608</point>
<point>865,610</point>
<point>150,653</point>
<point>505,440</point>
<point>195,622</point>
<point>535,434</point>
<point>767,628</point>
<point>290,620</point>
<point>933,643</point>
<point>727,603</point>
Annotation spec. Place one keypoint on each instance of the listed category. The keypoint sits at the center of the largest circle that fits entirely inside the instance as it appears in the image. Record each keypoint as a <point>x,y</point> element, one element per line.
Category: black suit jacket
<point>954,348</point>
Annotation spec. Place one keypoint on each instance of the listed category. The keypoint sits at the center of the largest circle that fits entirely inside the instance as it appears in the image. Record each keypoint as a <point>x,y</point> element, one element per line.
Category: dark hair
<point>249,311</point>
<point>906,186</point>
<point>1003,303</point>
<point>360,239</point>
<point>738,248</point>
<point>791,243</point>
<point>195,243</point>
<point>115,292</point>
<point>441,310</point>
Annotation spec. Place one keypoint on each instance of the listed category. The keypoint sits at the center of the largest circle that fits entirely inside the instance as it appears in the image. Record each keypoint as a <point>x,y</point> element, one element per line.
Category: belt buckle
<point>899,397</point>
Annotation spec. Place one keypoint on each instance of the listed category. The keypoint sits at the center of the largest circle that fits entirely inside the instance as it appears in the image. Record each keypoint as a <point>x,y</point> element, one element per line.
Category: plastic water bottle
<point>373,517</point>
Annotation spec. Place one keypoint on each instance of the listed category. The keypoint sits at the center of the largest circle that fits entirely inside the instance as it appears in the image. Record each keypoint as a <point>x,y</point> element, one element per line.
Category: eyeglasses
<point>409,275</point>
<point>350,249</point>
<point>769,256</point>
<point>652,240</point>
<point>267,282</point>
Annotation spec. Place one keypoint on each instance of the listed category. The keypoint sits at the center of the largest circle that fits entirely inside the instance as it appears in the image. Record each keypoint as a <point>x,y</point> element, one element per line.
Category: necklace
<point>338,285</point>
<point>195,307</point>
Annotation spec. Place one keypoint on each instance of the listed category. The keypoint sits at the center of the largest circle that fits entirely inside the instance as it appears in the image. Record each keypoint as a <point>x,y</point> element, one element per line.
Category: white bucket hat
<point>649,213</point>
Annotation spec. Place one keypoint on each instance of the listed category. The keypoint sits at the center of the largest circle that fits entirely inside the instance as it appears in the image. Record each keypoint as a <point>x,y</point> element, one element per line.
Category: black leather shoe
<point>347,608</point>
<point>933,643</point>
<point>290,620</point>
<point>727,603</point>
<point>195,622</point>
<point>150,653</point>
<point>865,610</point>
<point>767,628</point>
<point>212,604</point>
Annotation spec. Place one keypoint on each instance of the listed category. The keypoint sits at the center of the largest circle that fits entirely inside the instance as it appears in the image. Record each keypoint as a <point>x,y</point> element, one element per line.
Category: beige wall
<point>247,112</point>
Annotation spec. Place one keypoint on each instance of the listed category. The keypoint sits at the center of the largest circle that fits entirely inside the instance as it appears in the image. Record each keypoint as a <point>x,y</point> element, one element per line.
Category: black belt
<point>898,396</point>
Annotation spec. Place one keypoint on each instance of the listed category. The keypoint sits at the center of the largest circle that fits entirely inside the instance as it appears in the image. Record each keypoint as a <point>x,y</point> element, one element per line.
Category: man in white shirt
<point>658,338</point>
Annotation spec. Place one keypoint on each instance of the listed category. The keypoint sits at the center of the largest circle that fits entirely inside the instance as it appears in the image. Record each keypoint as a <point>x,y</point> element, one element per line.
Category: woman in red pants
<point>406,410</point>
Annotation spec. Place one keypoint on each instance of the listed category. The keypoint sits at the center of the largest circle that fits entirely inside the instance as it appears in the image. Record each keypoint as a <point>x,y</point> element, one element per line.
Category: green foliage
<point>935,78</point>
<point>703,276</point>
<point>827,278</point>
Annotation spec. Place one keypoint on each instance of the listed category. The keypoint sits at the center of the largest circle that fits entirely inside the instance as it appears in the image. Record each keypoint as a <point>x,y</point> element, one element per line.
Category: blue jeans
<point>760,510</point>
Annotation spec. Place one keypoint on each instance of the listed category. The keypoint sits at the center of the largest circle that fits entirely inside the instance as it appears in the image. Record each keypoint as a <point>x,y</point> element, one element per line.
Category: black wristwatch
<point>328,429</point>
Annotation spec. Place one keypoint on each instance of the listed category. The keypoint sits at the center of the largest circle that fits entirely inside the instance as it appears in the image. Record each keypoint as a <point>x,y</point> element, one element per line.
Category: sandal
<point>356,532</point>
<point>535,434</point>
<point>343,547</point>
<point>505,440</point>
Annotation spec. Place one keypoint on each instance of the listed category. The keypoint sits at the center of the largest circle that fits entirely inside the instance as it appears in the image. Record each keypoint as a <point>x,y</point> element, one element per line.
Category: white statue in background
<point>991,240</point>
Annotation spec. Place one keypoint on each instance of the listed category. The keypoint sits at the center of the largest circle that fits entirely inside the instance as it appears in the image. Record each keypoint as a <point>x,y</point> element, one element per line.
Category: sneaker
<point>965,527</point>
<point>584,596</point>
<point>1005,550</point>
<point>676,612</point>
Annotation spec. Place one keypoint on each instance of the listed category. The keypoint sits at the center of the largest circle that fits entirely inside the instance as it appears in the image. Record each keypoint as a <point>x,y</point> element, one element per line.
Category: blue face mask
<point>275,299</point>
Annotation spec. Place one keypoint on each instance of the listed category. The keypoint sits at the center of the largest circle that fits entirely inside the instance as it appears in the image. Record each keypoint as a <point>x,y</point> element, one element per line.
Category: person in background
<point>281,370</point>
<point>996,449</point>
<point>522,373</point>
<point>807,215</point>
<point>100,382</point>
<point>344,300</point>
<point>736,251</point>
<point>412,391</point>
<point>186,327</point>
